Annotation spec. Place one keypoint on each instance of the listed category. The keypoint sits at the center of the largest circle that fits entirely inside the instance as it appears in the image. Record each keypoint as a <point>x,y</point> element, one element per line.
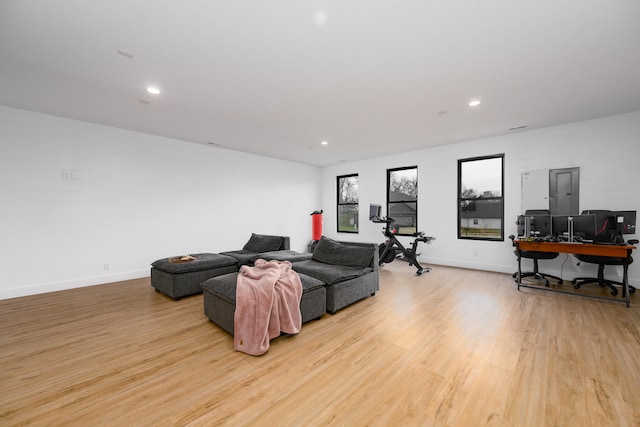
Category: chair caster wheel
<point>559,282</point>
<point>574,281</point>
<point>632,290</point>
<point>614,292</point>
<point>514,275</point>
<point>576,286</point>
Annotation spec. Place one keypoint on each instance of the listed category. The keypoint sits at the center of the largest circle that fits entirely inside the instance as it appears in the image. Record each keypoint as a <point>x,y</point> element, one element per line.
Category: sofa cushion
<point>226,285</point>
<point>203,261</point>
<point>291,256</point>
<point>329,251</point>
<point>243,257</point>
<point>262,243</point>
<point>327,273</point>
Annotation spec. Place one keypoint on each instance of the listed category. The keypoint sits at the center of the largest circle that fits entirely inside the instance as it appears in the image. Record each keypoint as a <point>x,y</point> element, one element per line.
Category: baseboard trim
<point>567,275</point>
<point>42,288</point>
<point>469,265</point>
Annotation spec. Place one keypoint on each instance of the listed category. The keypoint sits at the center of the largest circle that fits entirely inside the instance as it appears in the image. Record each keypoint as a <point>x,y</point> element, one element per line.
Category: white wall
<point>607,151</point>
<point>138,198</point>
<point>141,197</point>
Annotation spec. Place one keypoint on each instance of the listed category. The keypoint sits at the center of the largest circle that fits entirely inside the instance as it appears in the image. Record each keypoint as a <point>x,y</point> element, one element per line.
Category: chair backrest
<point>605,225</point>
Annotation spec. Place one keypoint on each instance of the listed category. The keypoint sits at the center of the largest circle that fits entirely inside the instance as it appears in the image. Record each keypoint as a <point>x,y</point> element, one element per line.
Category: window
<point>402,199</point>
<point>348,203</point>
<point>480,198</point>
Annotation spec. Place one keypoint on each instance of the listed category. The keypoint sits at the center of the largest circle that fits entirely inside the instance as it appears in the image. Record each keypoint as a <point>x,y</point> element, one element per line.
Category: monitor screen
<point>534,225</point>
<point>560,226</point>
<point>626,221</point>
<point>375,211</point>
<point>584,227</point>
<point>572,228</point>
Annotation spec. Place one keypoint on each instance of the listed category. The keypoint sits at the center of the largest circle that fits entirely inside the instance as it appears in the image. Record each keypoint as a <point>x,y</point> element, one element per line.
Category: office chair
<point>536,256</point>
<point>605,234</point>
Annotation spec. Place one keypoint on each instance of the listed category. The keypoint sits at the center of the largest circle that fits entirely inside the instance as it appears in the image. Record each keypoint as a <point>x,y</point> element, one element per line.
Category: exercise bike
<point>393,249</point>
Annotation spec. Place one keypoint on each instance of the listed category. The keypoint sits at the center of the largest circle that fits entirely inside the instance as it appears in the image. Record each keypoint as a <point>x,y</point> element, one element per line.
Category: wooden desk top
<point>616,251</point>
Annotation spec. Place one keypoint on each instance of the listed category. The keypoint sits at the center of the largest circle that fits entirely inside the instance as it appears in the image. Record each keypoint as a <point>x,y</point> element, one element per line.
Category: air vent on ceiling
<point>125,54</point>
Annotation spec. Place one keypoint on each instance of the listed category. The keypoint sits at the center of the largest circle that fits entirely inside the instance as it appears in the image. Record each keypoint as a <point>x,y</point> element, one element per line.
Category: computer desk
<point>615,251</point>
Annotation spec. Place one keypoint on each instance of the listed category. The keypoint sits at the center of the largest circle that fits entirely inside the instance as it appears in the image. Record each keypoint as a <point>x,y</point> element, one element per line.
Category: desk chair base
<point>537,275</point>
<point>579,281</point>
<point>600,280</point>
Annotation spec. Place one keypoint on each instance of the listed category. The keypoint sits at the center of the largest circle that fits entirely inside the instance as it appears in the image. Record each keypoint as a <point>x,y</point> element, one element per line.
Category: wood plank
<point>452,347</point>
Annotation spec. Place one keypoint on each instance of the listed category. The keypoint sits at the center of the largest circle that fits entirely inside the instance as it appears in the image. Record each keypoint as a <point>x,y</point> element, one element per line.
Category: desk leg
<point>519,268</point>
<point>625,280</point>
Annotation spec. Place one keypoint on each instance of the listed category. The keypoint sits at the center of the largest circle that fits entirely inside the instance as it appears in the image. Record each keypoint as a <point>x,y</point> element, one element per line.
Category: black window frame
<point>490,199</point>
<point>340,203</point>
<point>389,202</point>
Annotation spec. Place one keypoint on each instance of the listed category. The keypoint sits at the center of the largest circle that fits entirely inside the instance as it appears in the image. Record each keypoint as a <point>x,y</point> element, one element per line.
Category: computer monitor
<point>560,227</point>
<point>375,211</point>
<point>534,225</point>
<point>625,221</point>
<point>574,228</point>
<point>584,228</point>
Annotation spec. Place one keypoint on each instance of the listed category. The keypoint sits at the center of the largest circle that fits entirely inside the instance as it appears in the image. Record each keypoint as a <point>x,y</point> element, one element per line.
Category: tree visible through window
<point>480,198</point>
<point>402,199</point>
<point>348,203</point>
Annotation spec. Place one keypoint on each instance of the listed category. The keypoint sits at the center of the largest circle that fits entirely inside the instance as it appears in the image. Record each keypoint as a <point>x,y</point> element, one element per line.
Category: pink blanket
<point>267,303</point>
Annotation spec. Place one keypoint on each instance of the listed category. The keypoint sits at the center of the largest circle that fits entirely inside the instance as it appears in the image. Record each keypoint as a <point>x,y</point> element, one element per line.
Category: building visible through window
<point>402,199</point>
<point>480,198</point>
<point>348,203</point>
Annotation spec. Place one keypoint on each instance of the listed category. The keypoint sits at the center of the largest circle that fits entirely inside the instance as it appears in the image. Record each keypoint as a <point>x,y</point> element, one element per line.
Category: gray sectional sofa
<point>334,276</point>
<point>257,246</point>
<point>182,276</point>
<point>179,277</point>
<point>349,271</point>
<point>220,299</point>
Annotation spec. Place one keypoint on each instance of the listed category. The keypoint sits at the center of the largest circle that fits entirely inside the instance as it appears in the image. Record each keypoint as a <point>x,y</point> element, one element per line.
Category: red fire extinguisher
<point>316,225</point>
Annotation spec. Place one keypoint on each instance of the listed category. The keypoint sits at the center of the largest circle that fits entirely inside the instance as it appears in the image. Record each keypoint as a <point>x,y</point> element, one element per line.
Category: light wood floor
<point>453,347</point>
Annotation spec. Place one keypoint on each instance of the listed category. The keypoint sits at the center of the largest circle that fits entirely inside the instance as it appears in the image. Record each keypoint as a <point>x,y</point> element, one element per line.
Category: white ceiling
<point>277,77</point>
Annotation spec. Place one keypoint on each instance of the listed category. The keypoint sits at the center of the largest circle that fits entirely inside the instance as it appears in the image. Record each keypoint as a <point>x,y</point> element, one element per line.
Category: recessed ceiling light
<point>153,90</point>
<point>324,143</point>
<point>320,17</point>
<point>474,103</point>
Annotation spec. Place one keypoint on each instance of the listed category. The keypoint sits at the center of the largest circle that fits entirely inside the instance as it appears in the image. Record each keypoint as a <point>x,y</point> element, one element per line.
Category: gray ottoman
<point>220,299</point>
<point>177,278</point>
